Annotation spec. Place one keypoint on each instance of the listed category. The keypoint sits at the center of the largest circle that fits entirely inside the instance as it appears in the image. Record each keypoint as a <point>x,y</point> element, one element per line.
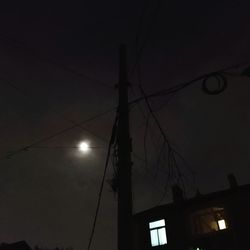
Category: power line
<point>149,30</point>
<point>60,132</point>
<point>146,116</point>
<point>172,91</point>
<point>111,142</point>
<point>19,90</point>
<point>64,67</point>
<point>164,92</point>
<point>181,86</point>
<point>172,163</point>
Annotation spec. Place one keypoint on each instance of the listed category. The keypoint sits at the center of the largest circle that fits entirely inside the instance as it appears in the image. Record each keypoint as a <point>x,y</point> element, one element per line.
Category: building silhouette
<point>215,221</point>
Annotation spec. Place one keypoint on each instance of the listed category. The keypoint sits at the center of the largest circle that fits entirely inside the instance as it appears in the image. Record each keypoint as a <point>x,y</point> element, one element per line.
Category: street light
<point>84,147</point>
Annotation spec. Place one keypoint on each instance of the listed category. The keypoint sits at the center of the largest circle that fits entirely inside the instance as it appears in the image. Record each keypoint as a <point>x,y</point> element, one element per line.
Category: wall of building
<point>233,205</point>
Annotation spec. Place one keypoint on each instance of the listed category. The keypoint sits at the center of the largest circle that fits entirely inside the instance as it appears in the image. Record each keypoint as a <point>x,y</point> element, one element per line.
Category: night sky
<point>59,66</point>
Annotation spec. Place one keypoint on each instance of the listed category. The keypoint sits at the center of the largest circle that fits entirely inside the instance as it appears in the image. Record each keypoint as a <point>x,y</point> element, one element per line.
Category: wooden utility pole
<point>125,241</point>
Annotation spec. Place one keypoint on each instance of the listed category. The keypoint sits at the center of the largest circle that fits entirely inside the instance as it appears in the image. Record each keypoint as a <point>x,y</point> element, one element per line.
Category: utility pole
<point>125,236</point>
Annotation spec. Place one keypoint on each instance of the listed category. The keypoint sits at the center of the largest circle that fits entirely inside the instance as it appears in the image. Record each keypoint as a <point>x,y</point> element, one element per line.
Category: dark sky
<point>48,196</point>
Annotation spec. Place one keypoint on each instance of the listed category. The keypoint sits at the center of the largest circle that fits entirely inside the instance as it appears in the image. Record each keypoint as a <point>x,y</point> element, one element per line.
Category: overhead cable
<point>19,90</point>
<point>219,75</point>
<point>49,137</point>
<point>111,142</point>
<point>64,67</point>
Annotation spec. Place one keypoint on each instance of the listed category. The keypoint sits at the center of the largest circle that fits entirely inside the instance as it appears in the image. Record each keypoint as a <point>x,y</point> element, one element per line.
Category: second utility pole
<point>125,236</point>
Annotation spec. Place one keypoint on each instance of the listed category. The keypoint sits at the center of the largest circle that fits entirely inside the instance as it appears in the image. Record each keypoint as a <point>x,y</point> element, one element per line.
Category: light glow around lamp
<point>84,147</point>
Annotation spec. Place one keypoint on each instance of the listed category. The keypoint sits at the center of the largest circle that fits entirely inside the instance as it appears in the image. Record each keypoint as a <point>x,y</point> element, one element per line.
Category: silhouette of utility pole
<point>125,241</point>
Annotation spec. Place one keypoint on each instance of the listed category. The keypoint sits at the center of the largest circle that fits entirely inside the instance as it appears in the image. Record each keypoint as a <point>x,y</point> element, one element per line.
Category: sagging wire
<point>26,148</point>
<point>220,79</point>
<point>174,172</point>
<point>111,143</point>
<point>147,117</point>
<point>174,176</point>
<point>219,76</point>
<point>149,30</point>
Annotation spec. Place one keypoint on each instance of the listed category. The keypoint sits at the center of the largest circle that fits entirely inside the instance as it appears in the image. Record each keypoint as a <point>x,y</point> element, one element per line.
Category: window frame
<point>159,231</point>
<point>206,220</point>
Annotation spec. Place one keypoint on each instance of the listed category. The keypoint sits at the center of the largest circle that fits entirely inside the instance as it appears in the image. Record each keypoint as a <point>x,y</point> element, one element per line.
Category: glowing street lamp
<point>84,147</point>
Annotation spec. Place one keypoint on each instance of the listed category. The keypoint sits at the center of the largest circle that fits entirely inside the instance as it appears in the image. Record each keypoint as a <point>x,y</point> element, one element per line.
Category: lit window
<point>158,233</point>
<point>222,224</point>
<point>208,221</point>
